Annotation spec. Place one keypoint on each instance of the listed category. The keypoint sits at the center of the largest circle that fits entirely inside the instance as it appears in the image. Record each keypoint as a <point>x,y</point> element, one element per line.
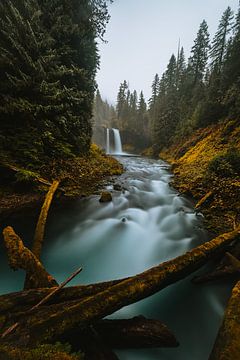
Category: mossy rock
<point>106,196</point>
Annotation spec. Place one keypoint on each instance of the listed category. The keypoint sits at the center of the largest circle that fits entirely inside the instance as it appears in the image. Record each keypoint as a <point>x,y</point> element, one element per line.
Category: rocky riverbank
<point>24,189</point>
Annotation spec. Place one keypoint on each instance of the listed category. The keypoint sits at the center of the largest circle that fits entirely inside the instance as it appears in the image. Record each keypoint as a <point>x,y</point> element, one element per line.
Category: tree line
<point>48,62</point>
<point>202,90</point>
<point>191,93</point>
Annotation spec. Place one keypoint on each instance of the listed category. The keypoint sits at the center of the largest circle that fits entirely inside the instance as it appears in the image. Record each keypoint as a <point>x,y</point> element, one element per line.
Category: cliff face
<point>207,167</point>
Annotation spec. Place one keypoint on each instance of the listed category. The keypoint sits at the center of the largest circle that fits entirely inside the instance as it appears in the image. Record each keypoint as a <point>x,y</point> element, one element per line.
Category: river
<point>145,224</point>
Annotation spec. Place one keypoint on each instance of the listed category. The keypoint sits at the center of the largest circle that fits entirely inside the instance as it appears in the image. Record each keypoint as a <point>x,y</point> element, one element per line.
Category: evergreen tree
<point>220,41</point>
<point>48,63</point>
<point>199,58</point>
<point>155,91</point>
<point>181,69</point>
<point>231,71</point>
<point>121,99</point>
<point>171,74</point>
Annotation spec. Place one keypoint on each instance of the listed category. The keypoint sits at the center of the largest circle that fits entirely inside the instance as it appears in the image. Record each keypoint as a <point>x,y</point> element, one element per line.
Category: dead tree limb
<point>48,323</point>
<point>21,257</point>
<point>40,228</point>
<point>227,344</point>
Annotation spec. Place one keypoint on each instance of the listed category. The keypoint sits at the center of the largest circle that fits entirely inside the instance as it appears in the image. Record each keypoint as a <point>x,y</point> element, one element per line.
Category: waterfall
<point>117,141</point>
<point>108,143</point>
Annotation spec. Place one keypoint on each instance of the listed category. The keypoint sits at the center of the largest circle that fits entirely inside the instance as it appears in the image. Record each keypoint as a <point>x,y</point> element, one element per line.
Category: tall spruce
<point>199,57</point>
<point>220,41</point>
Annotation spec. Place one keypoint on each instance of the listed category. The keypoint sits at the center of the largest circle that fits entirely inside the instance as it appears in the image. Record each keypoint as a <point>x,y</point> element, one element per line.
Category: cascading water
<point>108,142</point>
<point>144,225</point>
<point>117,141</point>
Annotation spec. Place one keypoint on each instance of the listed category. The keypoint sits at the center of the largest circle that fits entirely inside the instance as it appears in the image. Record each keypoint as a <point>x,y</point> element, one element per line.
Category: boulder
<point>106,196</point>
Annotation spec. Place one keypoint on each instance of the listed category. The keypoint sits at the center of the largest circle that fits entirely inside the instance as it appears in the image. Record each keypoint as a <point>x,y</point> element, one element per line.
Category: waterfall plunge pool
<point>158,225</point>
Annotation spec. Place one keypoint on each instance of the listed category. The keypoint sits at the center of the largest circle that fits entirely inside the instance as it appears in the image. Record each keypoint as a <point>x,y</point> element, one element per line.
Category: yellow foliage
<point>191,173</point>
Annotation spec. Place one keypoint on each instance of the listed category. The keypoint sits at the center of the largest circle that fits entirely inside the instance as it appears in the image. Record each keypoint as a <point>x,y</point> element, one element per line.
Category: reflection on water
<point>144,225</point>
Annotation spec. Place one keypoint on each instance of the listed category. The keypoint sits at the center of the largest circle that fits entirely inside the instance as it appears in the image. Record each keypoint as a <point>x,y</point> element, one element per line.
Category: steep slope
<point>207,167</point>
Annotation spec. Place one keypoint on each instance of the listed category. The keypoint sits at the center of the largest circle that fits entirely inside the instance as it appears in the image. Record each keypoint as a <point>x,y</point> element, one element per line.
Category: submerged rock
<point>106,196</point>
<point>117,187</point>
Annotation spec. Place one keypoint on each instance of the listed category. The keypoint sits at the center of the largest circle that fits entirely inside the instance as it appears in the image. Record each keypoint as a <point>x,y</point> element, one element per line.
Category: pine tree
<point>155,91</point>
<point>220,41</point>
<point>48,64</point>
<point>171,74</point>
<point>181,69</point>
<point>121,99</point>
<point>231,71</point>
<point>199,58</point>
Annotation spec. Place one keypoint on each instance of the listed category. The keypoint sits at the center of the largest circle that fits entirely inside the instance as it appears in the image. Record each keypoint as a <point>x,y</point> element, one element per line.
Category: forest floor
<point>207,168</point>
<point>22,189</point>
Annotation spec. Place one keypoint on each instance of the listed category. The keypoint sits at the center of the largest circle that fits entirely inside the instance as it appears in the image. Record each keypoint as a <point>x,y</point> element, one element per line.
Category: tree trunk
<point>40,228</point>
<point>21,257</point>
<point>227,344</point>
<point>48,323</point>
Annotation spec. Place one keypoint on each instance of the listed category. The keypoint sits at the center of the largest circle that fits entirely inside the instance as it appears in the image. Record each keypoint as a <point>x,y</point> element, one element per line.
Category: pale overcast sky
<point>142,35</point>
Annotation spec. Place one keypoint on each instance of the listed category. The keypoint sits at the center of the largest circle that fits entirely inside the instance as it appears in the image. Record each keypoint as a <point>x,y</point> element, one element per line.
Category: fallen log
<point>40,228</point>
<point>15,169</point>
<point>20,257</point>
<point>23,300</point>
<point>229,268</point>
<point>227,344</point>
<point>48,323</point>
<point>137,332</point>
<point>44,300</point>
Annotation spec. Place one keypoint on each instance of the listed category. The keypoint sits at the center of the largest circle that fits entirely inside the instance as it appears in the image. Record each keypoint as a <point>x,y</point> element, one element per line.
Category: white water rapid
<point>144,225</point>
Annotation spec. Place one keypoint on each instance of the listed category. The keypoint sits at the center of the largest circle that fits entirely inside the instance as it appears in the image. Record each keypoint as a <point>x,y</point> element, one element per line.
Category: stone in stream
<point>117,187</point>
<point>105,196</point>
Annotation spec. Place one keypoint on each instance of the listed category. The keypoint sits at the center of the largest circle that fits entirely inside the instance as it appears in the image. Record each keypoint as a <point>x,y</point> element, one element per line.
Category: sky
<point>142,35</point>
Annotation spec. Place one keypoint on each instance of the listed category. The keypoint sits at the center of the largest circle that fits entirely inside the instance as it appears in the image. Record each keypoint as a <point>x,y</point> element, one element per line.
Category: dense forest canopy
<point>48,62</point>
<point>192,93</point>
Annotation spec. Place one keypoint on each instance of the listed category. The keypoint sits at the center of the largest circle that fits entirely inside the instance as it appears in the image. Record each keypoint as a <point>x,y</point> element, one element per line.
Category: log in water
<point>144,225</point>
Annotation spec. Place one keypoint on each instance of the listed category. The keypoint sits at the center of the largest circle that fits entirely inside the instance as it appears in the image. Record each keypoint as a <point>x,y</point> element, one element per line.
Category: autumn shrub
<point>225,165</point>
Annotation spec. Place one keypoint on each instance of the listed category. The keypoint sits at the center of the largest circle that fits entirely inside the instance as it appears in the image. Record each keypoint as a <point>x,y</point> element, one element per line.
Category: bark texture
<point>40,228</point>
<point>21,257</point>
<point>227,344</point>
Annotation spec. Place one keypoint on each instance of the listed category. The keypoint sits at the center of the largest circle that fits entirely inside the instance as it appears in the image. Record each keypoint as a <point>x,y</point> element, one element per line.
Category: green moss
<point>42,352</point>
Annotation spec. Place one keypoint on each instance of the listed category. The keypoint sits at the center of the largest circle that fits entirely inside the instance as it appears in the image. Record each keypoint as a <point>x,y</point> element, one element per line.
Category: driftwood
<point>21,257</point>
<point>40,228</point>
<point>227,344</point>
<point>48,323</point>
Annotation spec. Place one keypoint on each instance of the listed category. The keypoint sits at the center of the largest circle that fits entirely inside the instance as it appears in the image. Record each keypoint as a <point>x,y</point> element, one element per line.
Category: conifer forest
<point>119,210</point>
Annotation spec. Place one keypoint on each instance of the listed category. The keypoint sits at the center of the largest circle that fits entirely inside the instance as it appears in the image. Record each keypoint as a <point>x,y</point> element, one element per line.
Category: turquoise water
<point>145,224</point>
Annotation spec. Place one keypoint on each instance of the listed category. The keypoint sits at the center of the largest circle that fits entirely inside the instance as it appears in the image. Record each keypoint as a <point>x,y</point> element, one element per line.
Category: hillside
<point>207,166</point>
